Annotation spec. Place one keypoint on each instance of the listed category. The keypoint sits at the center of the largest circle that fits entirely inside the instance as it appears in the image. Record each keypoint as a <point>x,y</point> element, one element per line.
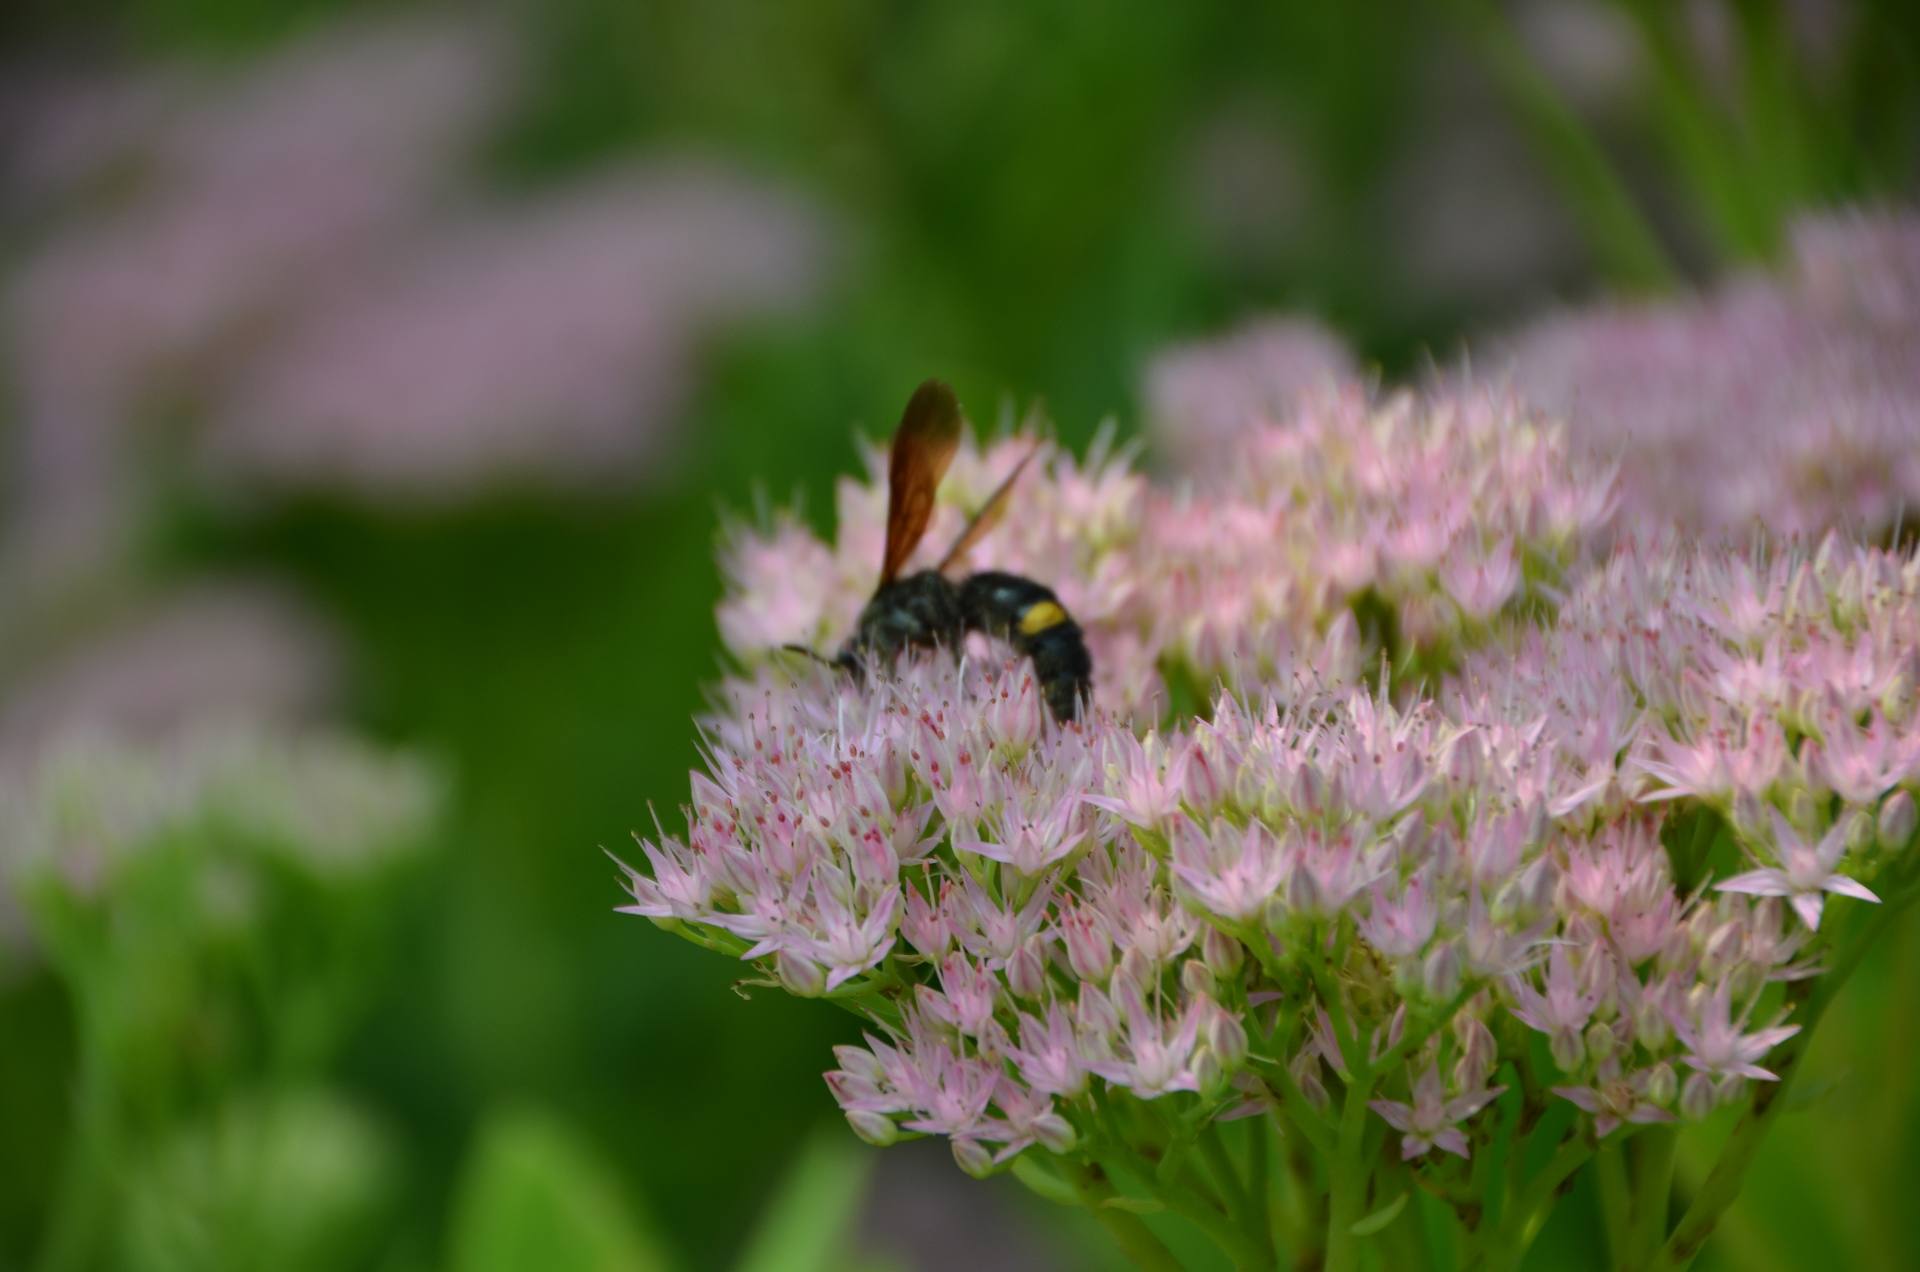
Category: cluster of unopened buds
<point>1414,851</point>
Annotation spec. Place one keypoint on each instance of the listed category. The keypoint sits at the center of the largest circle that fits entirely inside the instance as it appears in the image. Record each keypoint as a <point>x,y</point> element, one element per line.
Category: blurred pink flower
<point>212,650</point>
<point>1792,403</point>
<point>546,343</point>
<point>303,286</point>
<point>1202,397</point>
<point>260,186</point>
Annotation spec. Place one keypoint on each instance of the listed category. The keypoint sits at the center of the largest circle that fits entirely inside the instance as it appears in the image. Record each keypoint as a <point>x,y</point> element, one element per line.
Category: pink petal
<point>1759,883</point>
<point>1583,1098</point>
<point>1807,906</point>
<point>1850,888</point>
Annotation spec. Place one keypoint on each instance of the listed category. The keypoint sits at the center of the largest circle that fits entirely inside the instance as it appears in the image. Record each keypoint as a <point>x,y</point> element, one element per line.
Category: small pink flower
<point>1048,1056</point>
<point>1145,779</point>
<point>1717,1044</point>
<point>1613,1099</point>
<point>1431,1121</point>
<point>1806,871</point>
<point>1231,871</point>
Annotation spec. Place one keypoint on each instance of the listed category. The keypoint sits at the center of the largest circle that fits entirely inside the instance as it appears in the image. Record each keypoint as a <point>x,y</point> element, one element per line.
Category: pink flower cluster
<point>1199,397</point>
<point>1312,887</point>
<point>301,271</point>
<point>1792,402</point>
<point>1358,526</point>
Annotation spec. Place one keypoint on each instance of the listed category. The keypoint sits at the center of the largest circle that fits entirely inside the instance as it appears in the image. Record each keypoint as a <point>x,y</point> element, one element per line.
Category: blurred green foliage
<point>1013,183</point>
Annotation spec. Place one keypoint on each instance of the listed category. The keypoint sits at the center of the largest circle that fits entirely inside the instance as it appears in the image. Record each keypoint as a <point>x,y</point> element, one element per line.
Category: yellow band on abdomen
<point>1037,618</point>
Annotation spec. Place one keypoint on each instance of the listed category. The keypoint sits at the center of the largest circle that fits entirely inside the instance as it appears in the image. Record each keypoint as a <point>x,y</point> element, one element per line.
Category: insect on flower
<point>928,609</point>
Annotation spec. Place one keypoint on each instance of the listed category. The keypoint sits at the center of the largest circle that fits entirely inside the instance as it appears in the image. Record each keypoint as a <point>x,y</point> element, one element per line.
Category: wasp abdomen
<point>1030,617</point>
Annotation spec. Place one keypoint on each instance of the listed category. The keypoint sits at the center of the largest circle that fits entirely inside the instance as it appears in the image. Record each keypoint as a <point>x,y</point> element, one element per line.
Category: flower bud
<point>1800,808</point>
<point>1094,1023</point>
<point>1306,1075</point>
<point>1054,1133</point>
<point>1301,895</point>
<point>926,925</point>
<point>1136,969</point>
<point>1208,1073</point>
<point>802,977</point>
<point>1568,1051</point>
<point>1661,1084</point>
<point>1228,1038</point>
<point>1600,1042</point>
<point>1203,781</point>
<point>1089,951</point>
<point>1859,833</point>
<point>876,1129</point>
<point>1225,955</point>
<point>973,1157</point>
<point>1696,1096</point>
<point>1440,976</point>
<point>1012,716</point>
<point>1650,1027</point>
<point>1722,950</point>
<point>1027,969</point>
<point>1196,978</point>
<point>1477,1054</point>
<point>1897,821</point>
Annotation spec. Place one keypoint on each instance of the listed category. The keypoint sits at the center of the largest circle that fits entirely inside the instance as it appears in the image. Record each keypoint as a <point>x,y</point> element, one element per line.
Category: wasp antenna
<point>813,654</point>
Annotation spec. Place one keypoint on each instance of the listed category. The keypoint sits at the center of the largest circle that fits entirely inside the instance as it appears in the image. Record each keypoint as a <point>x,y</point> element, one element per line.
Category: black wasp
<point>927,609</point>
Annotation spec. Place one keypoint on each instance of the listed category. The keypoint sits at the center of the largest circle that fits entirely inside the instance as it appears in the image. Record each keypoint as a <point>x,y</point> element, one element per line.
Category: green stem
<point>1346,1040</point>
<point>1348,1193</point>
<point>1301,1114</point>
<point>1610,1180</point>
<point>1505,1248</point>
<point>1413,1039</point>
<point>1723,1183</point>
<point>1243,1202</point>
<point>1709,152</point>
<point>81,1204</point>
<point>1627,249</point>
<point>1306,1206</point>
<point>1652,1189</point>
<point>1134,1237</point>
<point>1260,1183</point>
<point>1201,1207</point>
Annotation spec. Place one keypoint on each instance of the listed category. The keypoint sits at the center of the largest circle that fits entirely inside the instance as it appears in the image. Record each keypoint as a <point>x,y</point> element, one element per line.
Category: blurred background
<point>387,370</point>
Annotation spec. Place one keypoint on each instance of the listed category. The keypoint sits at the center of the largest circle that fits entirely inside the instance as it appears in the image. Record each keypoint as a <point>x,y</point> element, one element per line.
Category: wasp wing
<point>989,516</point>
<point>923,446</point>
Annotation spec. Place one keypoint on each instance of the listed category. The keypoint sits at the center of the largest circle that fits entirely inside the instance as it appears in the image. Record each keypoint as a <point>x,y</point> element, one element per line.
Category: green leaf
<point>805,1227</point>
<point>534,1195</point>
<point>1380,1218</point>
<point>1809,1092</point>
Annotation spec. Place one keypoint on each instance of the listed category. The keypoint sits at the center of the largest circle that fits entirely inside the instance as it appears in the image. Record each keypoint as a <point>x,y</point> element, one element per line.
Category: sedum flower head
<point>1300,888</point>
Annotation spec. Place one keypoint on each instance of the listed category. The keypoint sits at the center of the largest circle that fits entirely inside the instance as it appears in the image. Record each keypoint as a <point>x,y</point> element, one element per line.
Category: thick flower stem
<point>1245,1203</point>
<point>1146,1250</point>
<point>1723,1183</point>
<point>1610,1182</point>
<point>1652,1188</point>
<point>1505,1248</point>
<point>1349,1183</point>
